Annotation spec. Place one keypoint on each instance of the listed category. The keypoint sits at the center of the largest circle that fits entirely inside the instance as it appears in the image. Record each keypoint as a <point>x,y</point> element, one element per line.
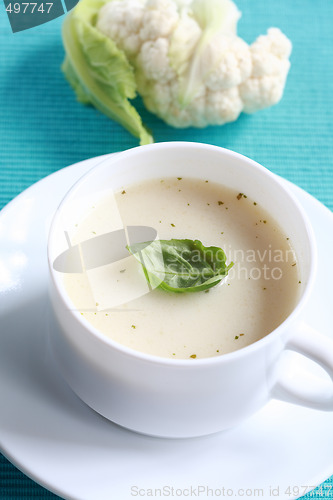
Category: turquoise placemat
<point>43,128</point>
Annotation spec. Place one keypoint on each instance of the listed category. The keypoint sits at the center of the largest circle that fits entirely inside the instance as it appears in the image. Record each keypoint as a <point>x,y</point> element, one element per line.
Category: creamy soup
<point>259,292</point>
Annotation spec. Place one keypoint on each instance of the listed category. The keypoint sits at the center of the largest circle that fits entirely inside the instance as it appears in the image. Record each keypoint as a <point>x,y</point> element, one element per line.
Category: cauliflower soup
<point>259,292</point>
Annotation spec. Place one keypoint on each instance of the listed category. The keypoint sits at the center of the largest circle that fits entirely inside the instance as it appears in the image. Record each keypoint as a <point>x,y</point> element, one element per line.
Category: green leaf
<point>98,71</point>
<point>181,265</point>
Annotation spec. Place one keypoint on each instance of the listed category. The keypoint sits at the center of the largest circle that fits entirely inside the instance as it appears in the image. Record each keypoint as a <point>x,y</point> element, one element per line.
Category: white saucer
<point>54,438</point>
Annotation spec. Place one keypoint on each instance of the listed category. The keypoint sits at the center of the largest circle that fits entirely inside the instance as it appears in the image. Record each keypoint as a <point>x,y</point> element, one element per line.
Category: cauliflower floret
<point>279,44</point>
<point>157,96</point>
<point>232,65</point>
<point>270,66</point>
<point>159,19</point>
<point>207,108</point>
<point>270,53</point>
<point>223,106</point>
<point>122,21</point>
<point>183,41</point>
<point>260,93</point>
<point>198,111</point>
<point>178,117</point>
<point>162,100</point>
<point>153,61</point>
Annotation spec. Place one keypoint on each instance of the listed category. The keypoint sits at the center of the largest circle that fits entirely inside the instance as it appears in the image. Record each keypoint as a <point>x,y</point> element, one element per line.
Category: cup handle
<point>319,349</point>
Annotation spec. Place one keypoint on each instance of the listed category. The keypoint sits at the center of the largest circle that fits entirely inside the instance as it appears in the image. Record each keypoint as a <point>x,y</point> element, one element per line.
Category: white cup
<point>181,398</point>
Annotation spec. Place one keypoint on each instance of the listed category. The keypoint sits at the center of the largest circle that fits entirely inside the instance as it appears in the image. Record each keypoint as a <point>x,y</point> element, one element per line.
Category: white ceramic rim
<point>201,362</point>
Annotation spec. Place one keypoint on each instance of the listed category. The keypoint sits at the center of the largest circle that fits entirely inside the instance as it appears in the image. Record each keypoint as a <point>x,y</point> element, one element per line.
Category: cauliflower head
<point>182,56</point>
<point>190,66</point>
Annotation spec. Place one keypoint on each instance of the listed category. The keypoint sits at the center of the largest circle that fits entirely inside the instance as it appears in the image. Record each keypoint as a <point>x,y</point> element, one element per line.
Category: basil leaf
<point>181,265</point>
